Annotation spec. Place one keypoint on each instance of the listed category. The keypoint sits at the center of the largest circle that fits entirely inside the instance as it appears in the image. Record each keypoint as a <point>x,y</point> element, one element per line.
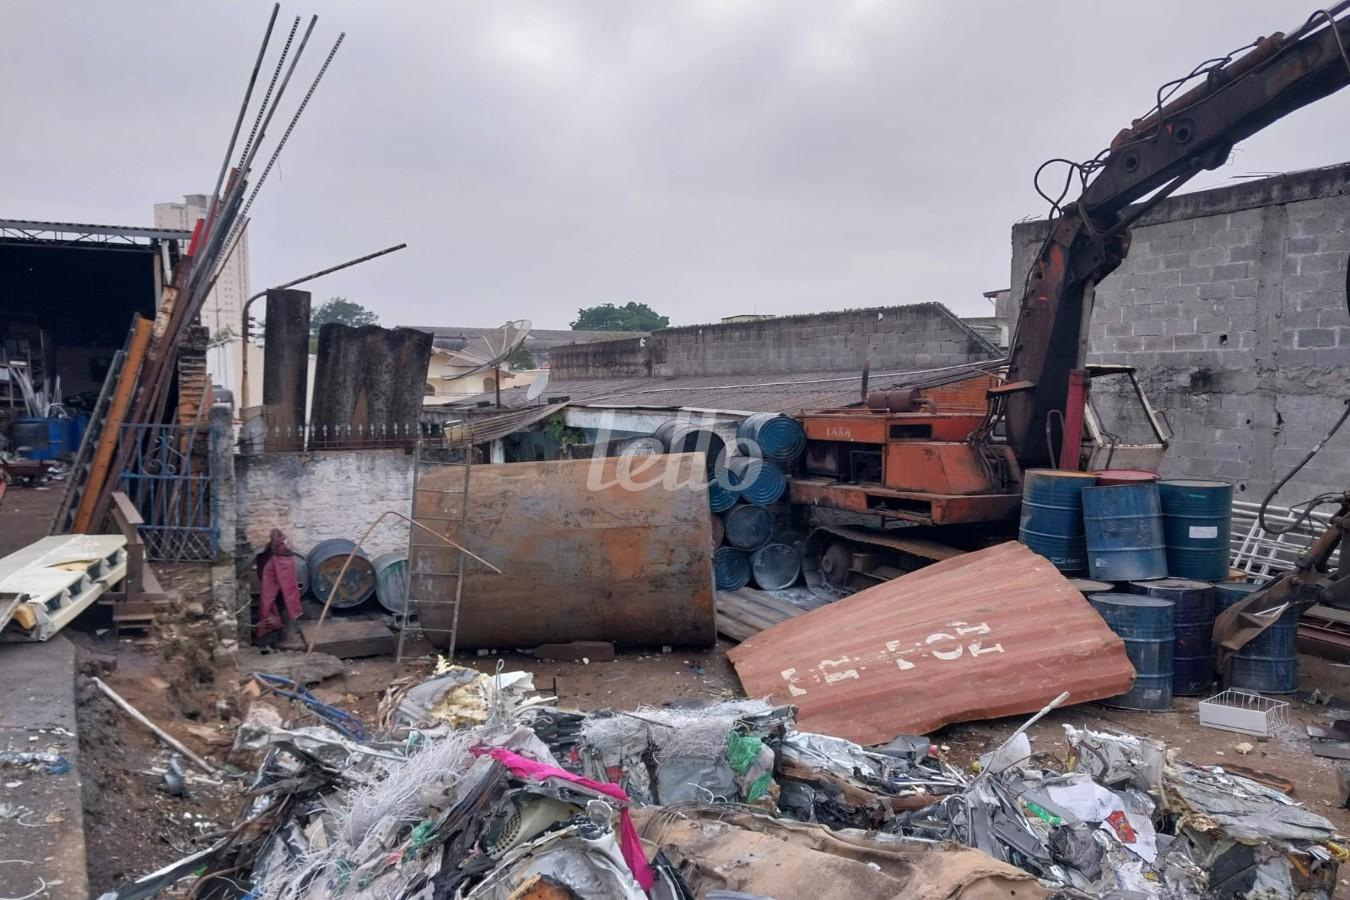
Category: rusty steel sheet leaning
<point>996,632</point>
<point>583,555</point>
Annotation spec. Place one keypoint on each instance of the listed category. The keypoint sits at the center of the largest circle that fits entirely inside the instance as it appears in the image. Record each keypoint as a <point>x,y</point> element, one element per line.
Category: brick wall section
<point>919,336</point>
<point>1232,305</point>
<point>325,494</point>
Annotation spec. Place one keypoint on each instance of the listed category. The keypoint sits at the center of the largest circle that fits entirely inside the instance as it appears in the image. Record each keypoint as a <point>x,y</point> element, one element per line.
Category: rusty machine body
<point>918,456</point>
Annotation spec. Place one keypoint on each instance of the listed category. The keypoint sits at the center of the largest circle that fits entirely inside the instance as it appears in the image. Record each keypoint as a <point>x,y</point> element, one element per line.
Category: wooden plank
<point>112,428</point>
<point>348,638</point>
<point>748,611</point>
<point>585,553</point>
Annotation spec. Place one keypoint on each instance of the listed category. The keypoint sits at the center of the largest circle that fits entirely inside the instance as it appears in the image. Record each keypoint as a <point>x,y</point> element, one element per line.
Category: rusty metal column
<point>285,368</point>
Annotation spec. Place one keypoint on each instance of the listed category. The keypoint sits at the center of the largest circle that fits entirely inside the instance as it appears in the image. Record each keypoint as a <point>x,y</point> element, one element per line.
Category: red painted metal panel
<point>912,506</point>
<point>992,633</point>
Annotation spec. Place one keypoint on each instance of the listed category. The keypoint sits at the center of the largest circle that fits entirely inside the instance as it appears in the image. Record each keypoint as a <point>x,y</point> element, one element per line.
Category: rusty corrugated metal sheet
<point>991,633</point>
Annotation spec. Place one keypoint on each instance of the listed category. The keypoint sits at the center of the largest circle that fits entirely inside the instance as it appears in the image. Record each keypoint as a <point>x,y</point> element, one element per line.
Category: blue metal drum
<point>682,437</point>
<point>1087,587</point>
<point>391,580</point>
<point>1123,527</point>
<point>1052,516</point>
<point>776,566</point>
<point>720,497</point>
<point>1145,624</point>
<point>1193,627</point>
<point>1268,664</point>
<point>758,481</point>
<point>780,438</point>
<point>748,527</point>
<point>1197,520</point>
<point>731,568</point>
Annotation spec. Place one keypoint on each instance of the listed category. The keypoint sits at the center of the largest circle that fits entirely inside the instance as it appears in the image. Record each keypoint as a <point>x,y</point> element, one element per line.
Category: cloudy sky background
<point>708,157</point>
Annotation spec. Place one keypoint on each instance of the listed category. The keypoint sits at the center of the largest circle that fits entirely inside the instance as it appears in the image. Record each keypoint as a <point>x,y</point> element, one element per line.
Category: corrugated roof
<point>986,634</point>
<point>742,393</point>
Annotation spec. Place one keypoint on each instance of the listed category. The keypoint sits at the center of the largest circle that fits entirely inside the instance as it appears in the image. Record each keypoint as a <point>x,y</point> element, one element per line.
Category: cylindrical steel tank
<point>1192,626</point>
<point>1052,516</point>
<point>1145,625</point>
<point>1087,586</point>
<point>1197,519</point>
<point>681,437</point>
<point>1125,476</point>
<point>391,580</point>
<point>325,562</point>
<point>721,497</point>
<point>1268,664</point>
<point>1123,527</point>
<point>780,438</point>
<point>647,445</point>
<point>731,568</point>
<point>775,566</point>
<point>748,527</point>
<point>758,481</point>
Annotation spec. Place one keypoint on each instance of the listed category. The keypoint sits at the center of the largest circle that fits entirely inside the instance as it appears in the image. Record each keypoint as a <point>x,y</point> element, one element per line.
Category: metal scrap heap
<point>479,788</point>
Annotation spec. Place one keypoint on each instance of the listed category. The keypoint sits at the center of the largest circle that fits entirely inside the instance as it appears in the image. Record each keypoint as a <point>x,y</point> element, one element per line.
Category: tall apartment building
<point>225,304</point>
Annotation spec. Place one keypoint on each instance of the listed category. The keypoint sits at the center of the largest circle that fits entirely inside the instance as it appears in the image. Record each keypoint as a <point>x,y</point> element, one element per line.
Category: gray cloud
<point>709,157</point>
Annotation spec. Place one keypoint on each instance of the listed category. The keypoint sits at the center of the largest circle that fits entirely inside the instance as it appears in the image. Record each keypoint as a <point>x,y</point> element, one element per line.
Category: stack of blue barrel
<point>1155,556</point>
<point>743,492</point>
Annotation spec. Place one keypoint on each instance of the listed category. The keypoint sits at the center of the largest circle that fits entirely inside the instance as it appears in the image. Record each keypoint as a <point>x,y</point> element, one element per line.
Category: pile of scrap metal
<point>1121,820</point>
<point>480,790</point>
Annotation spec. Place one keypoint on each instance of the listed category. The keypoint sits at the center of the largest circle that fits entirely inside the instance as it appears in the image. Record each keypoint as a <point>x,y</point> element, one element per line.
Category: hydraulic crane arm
<point>1145,163</point>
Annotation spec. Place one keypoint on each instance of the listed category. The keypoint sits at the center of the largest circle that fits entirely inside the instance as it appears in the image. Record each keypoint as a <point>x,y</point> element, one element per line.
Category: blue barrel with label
<point>1123,527</point>
<point>1197,521</point>
<point>780,438</point>
<point>758,481</point>
<point>731,568</point>
<point>1192,627</point>
<point>1052,516</point>
<point>1145,625</point>
<point>1269,663</point>
<point>748,527</point>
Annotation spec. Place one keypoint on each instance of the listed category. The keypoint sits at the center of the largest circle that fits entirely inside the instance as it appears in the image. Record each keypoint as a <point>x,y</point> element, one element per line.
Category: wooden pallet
<point>749,611</point>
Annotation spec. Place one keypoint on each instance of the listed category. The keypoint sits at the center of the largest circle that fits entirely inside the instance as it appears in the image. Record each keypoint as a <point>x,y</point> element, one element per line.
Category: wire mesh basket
<point>1243,712</point>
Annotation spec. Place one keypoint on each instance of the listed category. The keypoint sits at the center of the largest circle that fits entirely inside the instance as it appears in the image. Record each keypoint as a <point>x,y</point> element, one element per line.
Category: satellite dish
<point>490,350</point>
<point>537,388</point>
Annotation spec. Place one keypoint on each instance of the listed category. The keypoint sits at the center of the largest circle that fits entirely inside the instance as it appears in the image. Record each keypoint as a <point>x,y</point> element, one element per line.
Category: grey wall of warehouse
<point>324,494</point>
<point>918,336</point>
<point>1232,304</point>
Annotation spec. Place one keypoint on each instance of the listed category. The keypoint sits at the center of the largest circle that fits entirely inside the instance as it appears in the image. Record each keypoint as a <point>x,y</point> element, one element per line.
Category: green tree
<point>632,316</point>
<point>521,358</point>
<point>342,311</point>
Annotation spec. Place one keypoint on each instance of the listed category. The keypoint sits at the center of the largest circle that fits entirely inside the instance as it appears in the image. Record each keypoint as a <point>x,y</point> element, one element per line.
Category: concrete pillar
<point>285,368</point>
<point>226,586</point>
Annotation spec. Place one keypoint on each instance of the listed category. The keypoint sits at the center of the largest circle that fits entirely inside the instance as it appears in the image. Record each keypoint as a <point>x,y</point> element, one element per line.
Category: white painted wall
<point>326,494</point>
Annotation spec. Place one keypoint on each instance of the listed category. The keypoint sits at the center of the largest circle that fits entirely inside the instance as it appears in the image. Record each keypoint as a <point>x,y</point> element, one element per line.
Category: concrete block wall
<point>324,494</point>
<point>919,336</point>
<point>1232,305</point>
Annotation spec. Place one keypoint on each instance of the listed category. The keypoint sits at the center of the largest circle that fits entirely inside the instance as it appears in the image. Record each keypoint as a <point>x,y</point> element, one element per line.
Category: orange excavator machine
<point>925,454</point>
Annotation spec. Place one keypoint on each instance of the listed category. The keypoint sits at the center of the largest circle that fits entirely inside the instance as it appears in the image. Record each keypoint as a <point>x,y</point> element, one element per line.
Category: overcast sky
<point>709,157</point>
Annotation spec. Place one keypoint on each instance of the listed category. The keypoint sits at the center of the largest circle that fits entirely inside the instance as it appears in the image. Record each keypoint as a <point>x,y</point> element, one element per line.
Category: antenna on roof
<point>534,390</point>
<point>490,350</point>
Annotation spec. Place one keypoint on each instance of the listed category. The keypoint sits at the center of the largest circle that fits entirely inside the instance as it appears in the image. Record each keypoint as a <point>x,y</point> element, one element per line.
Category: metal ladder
<point>83,462</point>
<point>436,510</point>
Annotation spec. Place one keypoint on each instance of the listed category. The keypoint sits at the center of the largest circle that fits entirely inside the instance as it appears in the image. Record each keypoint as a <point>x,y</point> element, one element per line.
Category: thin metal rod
<point>239,120</point>
<point>407,581</point>
<point>337,582</point>
<point>158,732</point>
<point>243,393</point>
<point>271,86</point>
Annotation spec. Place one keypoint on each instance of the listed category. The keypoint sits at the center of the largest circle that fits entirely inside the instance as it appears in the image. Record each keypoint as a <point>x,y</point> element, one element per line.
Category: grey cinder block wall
<point>917,336</point>
<point>1232,305</point>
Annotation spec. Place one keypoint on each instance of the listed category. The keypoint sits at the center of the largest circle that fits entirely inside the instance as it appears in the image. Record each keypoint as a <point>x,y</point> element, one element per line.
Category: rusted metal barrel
<point>775,566</point>
<point>731,568</point>
<point>758,481</point>
<point>780,438</point>
<point>1052,516</point>
<point>1193,625</point>
<point>325,562</point>
<point>681,437</point>
<point>1086,586</point>
<point>391,580</point>
<point>1145,625</point>
<point>748,527</point>
<point>1125,476</point>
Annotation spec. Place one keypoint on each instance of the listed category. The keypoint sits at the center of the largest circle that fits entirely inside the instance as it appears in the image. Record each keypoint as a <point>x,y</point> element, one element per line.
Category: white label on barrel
<point>1204,531</point>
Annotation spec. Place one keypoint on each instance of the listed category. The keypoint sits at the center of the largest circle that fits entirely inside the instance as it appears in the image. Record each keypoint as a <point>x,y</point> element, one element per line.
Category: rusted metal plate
<point>585,554</point>
<point>911,506</point>
<point>991,633</point>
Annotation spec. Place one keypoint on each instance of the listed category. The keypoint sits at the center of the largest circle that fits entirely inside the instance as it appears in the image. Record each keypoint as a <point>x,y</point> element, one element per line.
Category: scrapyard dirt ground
<point>134,828</point>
